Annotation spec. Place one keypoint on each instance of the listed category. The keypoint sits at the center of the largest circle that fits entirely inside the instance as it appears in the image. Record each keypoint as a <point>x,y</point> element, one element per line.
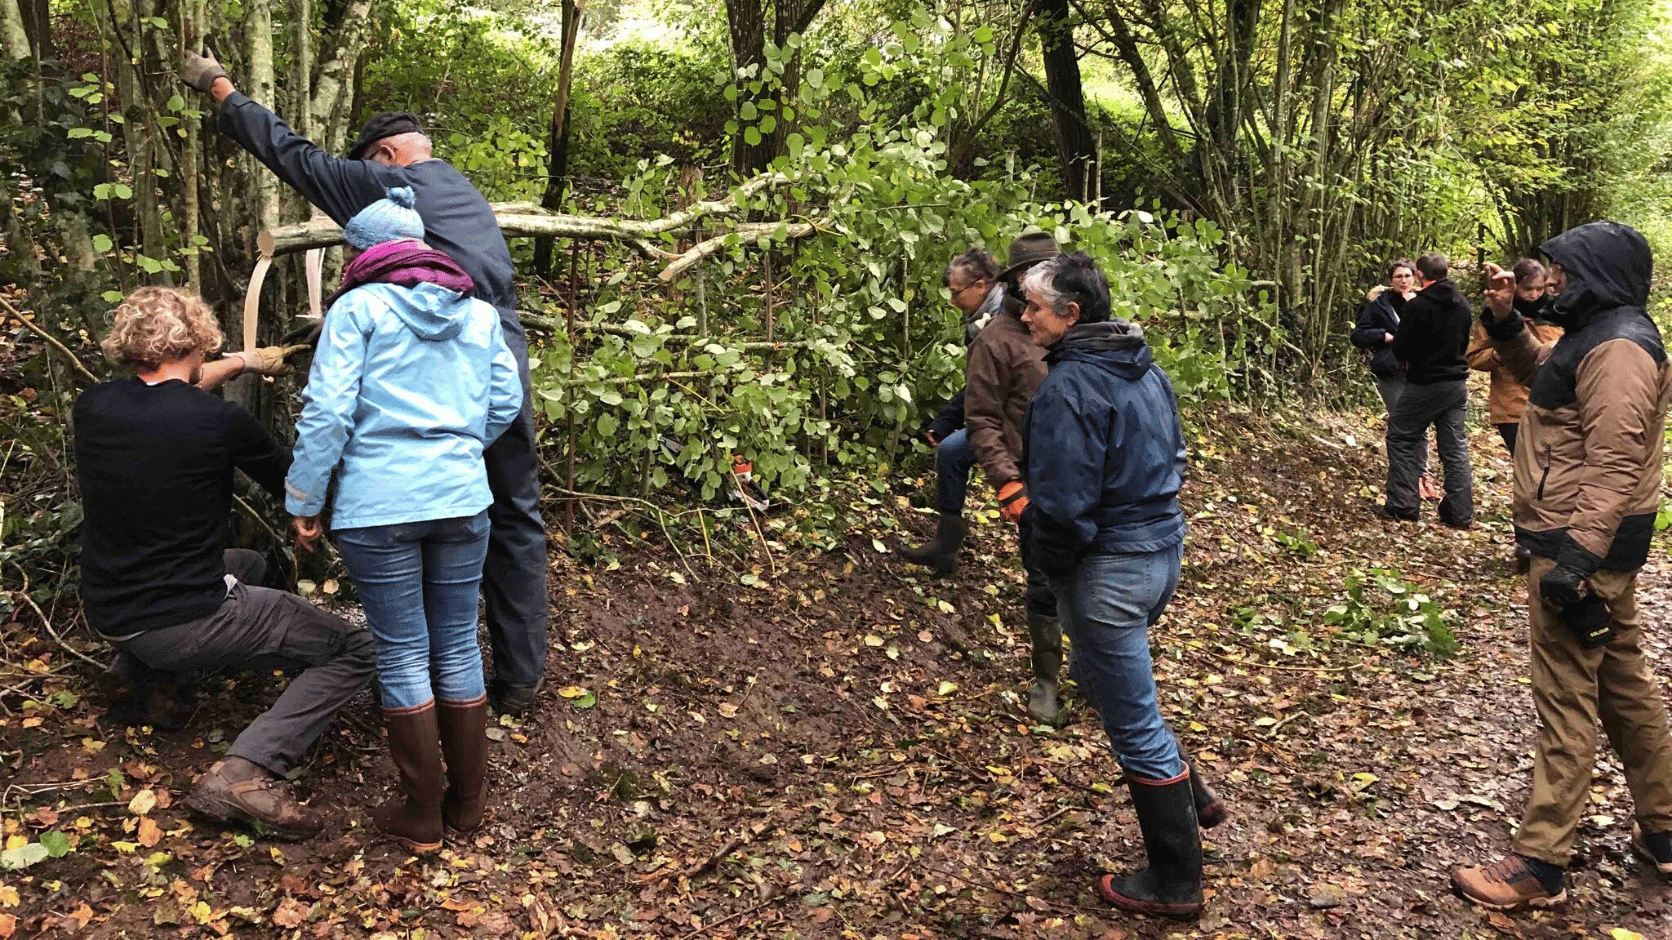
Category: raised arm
<point>339,188</point>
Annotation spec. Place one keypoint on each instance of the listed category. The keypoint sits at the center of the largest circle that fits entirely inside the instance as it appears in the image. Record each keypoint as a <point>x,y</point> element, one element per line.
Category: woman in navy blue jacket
<point>1103,461</point>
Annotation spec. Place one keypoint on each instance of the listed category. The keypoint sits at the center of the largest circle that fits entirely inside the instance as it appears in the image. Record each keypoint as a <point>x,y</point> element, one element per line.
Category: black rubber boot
<point>1172,884</point>
<point>1210,809</point>
<point>941,552</point>
<point>1045,645</point>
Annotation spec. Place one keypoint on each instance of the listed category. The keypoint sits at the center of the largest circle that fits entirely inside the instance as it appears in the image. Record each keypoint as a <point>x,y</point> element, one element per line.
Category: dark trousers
<point>514,576</point>
<point>1442,405</point>
<point>1508,432</point>
<point>260,630</point>
<point>1041,600</point>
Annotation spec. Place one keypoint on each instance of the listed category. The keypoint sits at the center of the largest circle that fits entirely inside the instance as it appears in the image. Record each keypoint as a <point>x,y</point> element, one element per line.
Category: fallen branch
<point>746,234</point>
<point>525,219</point>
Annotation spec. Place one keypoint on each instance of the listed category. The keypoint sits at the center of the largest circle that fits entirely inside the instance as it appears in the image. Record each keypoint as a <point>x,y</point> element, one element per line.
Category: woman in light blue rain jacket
<point>412,381</point>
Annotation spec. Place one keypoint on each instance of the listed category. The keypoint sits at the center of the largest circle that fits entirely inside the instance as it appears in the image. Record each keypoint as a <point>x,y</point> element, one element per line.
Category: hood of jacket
<point>432,312</point>
<point>1115,345</point>
<point>1607,264</point>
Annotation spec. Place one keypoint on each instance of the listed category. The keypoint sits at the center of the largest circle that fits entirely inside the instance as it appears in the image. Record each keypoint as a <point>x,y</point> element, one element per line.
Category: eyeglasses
<point>959,290</point>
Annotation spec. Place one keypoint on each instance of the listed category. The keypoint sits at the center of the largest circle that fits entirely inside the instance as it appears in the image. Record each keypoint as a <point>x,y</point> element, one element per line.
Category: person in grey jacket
<point>412,382</point>
<point>392,150</point>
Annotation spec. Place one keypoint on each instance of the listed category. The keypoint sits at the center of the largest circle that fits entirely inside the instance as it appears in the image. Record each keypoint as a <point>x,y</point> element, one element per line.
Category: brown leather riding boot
<point>464,742</point>
<point>414,817</point>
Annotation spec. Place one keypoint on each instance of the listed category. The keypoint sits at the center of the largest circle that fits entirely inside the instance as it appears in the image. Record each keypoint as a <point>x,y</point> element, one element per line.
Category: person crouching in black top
<point>155,455</point>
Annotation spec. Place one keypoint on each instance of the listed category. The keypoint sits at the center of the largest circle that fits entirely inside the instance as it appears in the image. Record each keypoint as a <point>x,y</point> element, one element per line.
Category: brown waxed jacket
<point>1507,400</point>
<point>1004,370</point>
<point>1588,458</point>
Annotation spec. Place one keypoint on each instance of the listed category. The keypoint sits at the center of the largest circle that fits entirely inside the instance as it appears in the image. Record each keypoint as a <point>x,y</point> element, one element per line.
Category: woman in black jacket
<point>1377,325</point>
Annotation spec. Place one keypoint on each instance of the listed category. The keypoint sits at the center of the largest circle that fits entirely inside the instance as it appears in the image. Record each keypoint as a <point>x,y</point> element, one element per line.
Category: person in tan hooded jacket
<point>1587,487</point>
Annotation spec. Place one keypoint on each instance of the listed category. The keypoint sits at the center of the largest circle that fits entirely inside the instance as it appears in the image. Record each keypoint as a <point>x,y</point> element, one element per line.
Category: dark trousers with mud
<point>1442,405</point>
<point>259,629</point>
<point>1573,689</point>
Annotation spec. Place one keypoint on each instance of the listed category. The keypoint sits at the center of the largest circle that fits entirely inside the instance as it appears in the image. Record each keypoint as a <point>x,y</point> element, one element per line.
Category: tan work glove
<point>200,71</point>
<point>269,360</point>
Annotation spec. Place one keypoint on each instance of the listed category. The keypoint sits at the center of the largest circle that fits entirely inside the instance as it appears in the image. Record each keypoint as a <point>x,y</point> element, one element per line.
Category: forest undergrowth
<point>772,740</point>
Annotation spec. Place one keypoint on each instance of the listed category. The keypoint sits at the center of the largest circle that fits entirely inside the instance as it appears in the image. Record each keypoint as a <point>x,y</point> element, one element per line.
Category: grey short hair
<point>1070,277</point>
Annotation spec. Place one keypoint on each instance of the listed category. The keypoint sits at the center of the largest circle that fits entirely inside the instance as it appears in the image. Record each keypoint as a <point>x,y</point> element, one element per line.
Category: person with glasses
<point>971,280</point>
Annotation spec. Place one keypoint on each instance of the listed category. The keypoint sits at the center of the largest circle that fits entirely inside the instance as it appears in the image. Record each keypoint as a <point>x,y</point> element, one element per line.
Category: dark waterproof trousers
<point>1040,599</point>
<point>514,576</point>
<point>1442,405</point>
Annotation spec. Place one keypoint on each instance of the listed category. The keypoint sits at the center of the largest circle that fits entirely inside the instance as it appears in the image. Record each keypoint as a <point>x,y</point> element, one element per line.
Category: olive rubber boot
<point>413,818</point>
<point>1045,641</point>
<point>941,552</point>
<point>464,742</point>
<point>1172,884</point>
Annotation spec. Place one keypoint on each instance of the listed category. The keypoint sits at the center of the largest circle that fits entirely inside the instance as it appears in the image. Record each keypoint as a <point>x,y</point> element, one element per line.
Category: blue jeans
<point>953,460</point>
<point>418,582</point>
<point>1107,605</point>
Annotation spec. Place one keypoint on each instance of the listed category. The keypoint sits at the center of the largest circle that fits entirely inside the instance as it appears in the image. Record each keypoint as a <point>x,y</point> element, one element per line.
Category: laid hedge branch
<point>525,219</point>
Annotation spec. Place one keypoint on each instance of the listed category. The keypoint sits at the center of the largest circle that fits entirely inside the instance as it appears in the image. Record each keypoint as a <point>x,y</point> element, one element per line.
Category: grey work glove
<point>200,71</point>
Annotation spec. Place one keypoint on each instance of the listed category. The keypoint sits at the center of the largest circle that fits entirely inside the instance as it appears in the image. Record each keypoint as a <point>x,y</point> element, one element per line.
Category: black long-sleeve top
<point>1433,336</point>
<point>155,464</point>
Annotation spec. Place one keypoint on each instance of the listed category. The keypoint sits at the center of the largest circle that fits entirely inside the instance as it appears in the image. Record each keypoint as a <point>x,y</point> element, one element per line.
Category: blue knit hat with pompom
<point>391,218</point>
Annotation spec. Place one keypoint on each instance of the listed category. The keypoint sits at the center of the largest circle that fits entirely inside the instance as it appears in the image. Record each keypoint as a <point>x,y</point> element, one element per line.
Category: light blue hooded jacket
<point>409,385</point>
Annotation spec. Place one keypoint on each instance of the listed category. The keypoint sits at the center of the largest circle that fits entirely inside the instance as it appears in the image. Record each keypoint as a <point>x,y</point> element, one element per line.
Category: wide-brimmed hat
<point>387,124</point>
<point>1029,250</point>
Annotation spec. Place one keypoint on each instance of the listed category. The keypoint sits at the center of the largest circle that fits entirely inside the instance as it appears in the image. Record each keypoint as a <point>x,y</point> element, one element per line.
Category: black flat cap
<point>387,124</point>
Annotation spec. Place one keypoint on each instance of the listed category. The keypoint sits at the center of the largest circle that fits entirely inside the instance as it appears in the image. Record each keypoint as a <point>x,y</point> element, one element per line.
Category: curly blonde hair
<point>156,325</point>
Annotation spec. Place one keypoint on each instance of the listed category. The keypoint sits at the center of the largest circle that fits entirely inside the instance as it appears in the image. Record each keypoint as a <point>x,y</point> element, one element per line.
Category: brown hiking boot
<point>1510,884</point>
<point>235,789</point>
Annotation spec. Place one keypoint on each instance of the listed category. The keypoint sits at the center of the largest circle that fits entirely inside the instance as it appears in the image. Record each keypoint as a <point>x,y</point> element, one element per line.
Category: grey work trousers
<point>514,575</point>
<point>260,629</point>
<point>1443,405</point>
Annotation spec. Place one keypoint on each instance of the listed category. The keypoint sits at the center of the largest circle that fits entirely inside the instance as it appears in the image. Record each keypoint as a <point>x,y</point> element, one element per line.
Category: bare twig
<point>48,623</point>
<point>731,917</point>
<point>52,341</point>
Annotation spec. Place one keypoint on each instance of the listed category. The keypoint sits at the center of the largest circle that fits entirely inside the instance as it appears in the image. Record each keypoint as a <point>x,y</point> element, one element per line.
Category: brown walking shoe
<point>1510,884</point>
<point>235,789</point>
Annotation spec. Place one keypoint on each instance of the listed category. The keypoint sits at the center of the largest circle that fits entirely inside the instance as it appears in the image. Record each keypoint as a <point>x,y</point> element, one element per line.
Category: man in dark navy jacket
<point>392,150</point>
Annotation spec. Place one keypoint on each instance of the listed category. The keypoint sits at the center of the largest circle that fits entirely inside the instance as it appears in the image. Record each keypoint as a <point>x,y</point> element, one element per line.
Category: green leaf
<point>102,243</point>
<point>56,843</point>
<point>751,136</point>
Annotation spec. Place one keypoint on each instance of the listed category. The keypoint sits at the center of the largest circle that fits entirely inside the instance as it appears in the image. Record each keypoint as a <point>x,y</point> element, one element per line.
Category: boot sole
<point>225,812</point>
<point>1190,910</point>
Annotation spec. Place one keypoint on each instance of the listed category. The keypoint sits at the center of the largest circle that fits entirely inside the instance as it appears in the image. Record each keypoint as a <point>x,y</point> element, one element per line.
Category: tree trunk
<point>1076,150</point>
<point>557,140</point>
<point>14,38</point>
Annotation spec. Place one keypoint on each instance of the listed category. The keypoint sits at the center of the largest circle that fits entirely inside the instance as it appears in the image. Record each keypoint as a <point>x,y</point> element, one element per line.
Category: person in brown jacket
<point>1587,487</point>
<point>1004,370</point>
<point>1508,398</point>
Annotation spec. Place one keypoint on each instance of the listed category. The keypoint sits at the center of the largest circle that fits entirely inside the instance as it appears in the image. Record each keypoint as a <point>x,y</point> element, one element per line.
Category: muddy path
<point>813,743</point>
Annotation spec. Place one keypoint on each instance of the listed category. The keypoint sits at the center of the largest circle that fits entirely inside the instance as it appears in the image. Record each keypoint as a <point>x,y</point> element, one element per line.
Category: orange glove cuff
<point>1013,498</point>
